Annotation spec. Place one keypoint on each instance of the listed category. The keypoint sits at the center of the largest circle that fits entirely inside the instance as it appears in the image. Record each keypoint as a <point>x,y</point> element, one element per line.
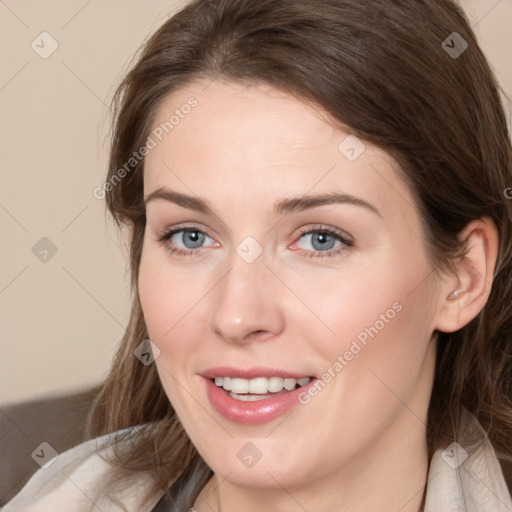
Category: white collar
<point>466,475</point>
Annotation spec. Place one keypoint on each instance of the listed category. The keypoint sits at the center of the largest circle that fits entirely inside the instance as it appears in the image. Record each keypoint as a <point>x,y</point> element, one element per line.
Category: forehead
<point>227,140</point>
<point>249,120</point>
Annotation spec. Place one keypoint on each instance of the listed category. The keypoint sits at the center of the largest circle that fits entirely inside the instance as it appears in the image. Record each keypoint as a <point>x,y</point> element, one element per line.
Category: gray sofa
<point>58,421</point>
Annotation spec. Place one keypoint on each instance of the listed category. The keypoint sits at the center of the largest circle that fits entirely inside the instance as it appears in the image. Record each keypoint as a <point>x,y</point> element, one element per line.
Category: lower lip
<point>253,413</point>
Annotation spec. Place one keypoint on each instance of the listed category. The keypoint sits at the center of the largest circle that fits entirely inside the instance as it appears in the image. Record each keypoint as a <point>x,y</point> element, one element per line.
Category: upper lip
<point>250,373</point>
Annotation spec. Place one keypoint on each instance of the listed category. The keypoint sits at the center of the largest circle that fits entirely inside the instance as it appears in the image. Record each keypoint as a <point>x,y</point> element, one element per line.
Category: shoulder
<point>466,475</point>
<point>76,480</point>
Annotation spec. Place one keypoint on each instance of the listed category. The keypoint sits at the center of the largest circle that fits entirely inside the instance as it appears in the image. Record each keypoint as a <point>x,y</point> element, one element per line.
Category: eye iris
<point>326,241</point>
<point>195,237</point>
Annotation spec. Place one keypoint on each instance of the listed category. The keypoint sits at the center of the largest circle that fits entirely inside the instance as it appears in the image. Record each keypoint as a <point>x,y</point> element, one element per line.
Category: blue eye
<point>324,242</point>
<point>193,237</point>
<point>320,240</point>
<point>190,241</point>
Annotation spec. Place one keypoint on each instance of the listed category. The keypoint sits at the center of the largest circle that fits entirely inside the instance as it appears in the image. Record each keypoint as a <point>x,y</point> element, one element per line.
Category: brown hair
<point>382,69</point>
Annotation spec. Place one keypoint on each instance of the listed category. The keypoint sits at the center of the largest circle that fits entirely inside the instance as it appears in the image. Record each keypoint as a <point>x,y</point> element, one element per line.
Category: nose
<point>247,303</point>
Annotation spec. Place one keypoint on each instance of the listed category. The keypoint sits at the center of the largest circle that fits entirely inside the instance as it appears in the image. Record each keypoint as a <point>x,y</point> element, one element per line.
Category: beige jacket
<point>461,478</point>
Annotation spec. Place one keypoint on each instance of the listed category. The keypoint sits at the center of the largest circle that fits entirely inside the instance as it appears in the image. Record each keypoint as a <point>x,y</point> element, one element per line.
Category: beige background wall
<point>62,314</point>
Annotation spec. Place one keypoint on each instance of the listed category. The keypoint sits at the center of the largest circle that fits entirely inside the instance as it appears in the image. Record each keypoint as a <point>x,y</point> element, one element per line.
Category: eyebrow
<point>284,206</point>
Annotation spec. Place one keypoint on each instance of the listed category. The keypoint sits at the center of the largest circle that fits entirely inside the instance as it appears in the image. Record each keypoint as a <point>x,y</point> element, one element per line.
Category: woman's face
<point>297,252</point>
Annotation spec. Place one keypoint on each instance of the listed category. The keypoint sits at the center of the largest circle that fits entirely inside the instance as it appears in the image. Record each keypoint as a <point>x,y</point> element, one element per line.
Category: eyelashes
<point>316,234</point>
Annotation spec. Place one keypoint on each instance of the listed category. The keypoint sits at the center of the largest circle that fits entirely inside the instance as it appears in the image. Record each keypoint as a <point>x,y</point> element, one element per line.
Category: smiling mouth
<point>259,388</point>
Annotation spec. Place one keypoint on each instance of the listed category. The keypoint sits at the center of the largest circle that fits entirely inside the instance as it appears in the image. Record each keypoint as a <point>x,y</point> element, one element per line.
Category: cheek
<point>380,320</point>
<point>379,357</point>
<point>175,311</point>
<point>364,299</point>
<point>169,296</point>
<point>167,303</point>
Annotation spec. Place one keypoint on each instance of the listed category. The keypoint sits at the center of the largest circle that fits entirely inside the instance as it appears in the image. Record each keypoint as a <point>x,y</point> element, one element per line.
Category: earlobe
<point>466,292</point>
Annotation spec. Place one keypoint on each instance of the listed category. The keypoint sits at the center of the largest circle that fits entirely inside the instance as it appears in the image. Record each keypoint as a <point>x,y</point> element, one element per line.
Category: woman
<point>320,249</point>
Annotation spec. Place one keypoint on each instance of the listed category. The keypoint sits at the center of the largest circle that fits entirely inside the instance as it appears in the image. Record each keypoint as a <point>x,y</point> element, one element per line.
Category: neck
<point>391,475</point>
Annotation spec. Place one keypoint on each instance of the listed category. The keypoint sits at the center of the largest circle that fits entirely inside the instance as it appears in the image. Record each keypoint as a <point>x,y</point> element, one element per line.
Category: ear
<point>465,292</point>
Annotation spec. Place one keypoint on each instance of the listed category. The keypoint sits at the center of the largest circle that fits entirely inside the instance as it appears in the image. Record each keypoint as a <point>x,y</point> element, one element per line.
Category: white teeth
<point>258,386</point>
<point>289,384</point>
<point>275,384</point>
<point>240,385</point>
<point>226,383</point>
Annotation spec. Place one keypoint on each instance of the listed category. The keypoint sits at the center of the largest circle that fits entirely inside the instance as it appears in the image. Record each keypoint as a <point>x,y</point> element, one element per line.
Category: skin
<point>360,444</point>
